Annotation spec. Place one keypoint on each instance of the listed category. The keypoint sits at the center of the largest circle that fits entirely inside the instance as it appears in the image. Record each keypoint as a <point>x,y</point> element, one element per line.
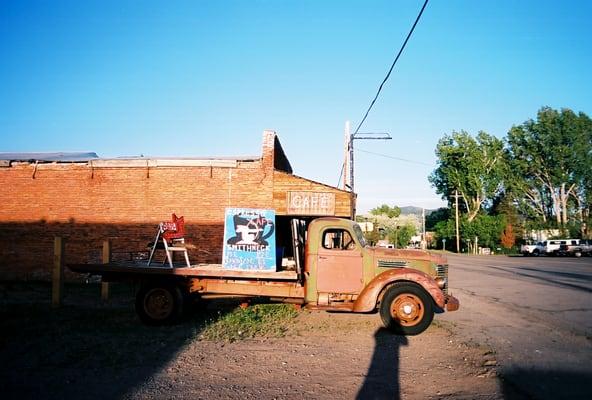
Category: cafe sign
<point>311,203</point>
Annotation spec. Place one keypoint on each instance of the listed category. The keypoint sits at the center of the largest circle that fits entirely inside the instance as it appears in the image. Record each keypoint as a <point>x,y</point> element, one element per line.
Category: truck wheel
<point>159,304</point>
<point>406,309</point>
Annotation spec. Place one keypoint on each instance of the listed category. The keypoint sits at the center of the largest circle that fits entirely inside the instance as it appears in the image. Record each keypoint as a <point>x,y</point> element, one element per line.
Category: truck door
<point>340,266</point>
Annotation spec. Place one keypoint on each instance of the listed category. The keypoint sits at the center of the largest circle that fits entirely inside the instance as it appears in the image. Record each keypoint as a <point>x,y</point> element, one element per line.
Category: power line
<point>395,158</point>
<point>392,66</point>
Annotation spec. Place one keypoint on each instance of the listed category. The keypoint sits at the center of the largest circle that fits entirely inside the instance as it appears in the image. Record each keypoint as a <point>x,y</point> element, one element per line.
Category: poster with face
<point>249,239</point>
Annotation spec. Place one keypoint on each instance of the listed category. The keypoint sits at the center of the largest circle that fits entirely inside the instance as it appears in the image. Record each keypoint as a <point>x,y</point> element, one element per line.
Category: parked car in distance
<point>552,247</point>
<point>570,248</point>
<point>586,247</point>
<point>527,249</point>
<point>583,248</point>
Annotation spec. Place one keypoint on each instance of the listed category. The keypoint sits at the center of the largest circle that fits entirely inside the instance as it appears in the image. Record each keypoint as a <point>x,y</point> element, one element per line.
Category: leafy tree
<point>401,235</point>
<point>508,240</point>
<point>506,206</point>
<point>441,214</point>
<point>486,228</point>
<point>445,230</point>
<point>390,212</point>
<point>474,166</point>
<point>550,159</point>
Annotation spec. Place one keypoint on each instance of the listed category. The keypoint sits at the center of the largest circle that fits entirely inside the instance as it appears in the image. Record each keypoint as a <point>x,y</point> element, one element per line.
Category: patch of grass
<point>263,320</point>
<point>448,326</point>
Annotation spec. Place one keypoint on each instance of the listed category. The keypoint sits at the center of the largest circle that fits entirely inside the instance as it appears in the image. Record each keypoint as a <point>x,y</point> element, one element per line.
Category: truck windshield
<point>359,235</point>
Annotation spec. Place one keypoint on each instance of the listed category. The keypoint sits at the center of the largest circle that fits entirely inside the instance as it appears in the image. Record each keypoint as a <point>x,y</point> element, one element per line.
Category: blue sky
<point>205,78</point>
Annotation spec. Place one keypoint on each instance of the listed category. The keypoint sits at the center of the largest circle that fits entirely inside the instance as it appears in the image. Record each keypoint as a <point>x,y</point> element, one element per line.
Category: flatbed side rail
<point>131,270</point>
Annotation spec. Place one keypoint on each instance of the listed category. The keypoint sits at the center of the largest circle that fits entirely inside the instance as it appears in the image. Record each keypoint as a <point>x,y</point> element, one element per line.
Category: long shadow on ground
<point>522,383</point>
<point>85,349</point>
<point>382,380</point>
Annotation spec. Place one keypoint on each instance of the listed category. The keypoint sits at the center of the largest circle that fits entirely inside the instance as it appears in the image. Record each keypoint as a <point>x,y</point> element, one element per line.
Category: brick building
<point>86,199</point>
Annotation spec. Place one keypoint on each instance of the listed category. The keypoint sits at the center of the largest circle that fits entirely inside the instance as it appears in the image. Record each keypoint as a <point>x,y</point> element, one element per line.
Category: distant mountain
<point>414,210</point>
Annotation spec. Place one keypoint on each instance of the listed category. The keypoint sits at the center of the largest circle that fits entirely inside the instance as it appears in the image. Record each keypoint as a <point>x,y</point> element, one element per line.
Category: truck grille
<point>442,272</point>
<point>392,263</point>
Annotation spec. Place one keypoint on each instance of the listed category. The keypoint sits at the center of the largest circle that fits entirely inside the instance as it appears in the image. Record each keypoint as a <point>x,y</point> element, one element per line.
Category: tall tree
<point>547,157</point>
<point>475,166</point>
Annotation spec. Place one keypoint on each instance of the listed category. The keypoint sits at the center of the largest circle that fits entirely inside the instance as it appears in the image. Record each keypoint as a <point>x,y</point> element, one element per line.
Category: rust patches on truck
<point>370,296</point>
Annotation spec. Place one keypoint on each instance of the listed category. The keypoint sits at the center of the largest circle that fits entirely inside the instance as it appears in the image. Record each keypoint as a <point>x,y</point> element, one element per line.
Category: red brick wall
<point>87,205</point>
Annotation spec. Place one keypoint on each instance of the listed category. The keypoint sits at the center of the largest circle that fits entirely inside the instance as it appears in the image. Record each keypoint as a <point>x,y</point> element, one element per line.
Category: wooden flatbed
<point>136,268</point>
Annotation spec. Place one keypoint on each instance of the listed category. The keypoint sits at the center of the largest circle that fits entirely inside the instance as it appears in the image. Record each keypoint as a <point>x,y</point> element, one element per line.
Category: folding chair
<point>173,239</point>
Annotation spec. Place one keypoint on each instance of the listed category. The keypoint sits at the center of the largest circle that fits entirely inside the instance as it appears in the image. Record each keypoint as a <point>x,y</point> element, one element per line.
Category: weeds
<point>268,320</point>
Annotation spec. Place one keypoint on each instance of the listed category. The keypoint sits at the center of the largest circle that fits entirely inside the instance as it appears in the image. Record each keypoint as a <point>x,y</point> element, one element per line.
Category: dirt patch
<point>92,350</point>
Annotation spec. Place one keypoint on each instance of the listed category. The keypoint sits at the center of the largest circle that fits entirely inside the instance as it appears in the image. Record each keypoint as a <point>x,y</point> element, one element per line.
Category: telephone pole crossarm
<point>350,148</point>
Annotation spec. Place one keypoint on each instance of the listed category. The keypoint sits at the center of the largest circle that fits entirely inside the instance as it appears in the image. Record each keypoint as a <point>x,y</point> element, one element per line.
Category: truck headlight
<point>441,282</point>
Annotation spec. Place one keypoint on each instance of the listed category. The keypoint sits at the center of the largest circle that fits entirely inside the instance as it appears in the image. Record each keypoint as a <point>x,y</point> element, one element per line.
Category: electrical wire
<point>395,158</point>
<point>392,66</point>
<point>380,89</point>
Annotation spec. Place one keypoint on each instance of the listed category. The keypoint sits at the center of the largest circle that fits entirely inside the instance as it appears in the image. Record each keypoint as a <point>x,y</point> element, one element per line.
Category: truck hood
<point>407,254</point>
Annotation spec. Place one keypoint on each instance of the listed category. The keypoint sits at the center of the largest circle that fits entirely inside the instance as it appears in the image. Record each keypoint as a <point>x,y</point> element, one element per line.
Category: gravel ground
<point>90,350</point>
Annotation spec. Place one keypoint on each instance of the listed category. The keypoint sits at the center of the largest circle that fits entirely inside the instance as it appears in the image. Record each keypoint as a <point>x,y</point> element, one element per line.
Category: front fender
<point>367,300</point>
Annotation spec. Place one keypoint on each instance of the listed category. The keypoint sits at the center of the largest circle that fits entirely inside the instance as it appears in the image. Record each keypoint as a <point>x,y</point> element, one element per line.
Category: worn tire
<point>159,303</point>
<point>406,309</point>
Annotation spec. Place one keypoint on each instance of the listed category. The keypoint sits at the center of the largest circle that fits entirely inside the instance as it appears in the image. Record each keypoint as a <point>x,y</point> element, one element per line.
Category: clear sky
<point>205,78</point>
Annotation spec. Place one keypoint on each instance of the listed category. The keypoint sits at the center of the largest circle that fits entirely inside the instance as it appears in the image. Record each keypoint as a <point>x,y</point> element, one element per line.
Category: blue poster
<point>249,239</point>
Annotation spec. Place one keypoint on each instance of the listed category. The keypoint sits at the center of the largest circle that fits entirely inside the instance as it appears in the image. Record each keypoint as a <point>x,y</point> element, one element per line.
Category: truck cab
<point>343,273</point>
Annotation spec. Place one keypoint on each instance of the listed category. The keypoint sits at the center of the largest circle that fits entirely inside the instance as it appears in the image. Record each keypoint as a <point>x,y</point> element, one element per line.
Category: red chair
<point>175,229</point>
<point>173,239</point>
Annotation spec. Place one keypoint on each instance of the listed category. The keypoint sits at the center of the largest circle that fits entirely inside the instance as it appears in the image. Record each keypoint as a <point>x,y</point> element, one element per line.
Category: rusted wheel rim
<point>158,303</point>
<point>407,309</point>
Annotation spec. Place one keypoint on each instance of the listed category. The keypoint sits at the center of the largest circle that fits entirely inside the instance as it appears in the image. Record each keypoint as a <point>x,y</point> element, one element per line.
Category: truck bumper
<point>452,303</point>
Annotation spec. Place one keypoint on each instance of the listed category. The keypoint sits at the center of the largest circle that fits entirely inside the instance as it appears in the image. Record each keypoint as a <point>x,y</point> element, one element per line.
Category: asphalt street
<point>536,313</point>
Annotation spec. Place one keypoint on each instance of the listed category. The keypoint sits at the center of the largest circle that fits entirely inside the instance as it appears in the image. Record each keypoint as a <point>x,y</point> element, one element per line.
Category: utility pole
<point>456,217</point>
<point>349,162</point>
<point>424,242</point>
<point>346,157</point>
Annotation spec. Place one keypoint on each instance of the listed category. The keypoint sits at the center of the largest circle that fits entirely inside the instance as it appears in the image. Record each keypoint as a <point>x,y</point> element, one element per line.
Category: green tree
<point>401,235</point>
<point>445,230</point>
<point>550,160</point>
<point>475,166</point>
<point>390,212</point>
<point>486,228</point>
<point>441,214</point>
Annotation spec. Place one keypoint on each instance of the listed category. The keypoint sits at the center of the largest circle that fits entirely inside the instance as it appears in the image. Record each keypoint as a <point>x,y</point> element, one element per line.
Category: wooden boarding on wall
<point>311,203</point>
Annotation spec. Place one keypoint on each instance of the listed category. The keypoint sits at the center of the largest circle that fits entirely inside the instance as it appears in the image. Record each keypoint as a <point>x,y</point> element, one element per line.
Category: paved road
<point>536,313</point>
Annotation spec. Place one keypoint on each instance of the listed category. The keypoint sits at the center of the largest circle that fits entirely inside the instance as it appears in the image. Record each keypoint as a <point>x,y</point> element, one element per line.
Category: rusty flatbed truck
<point>334,270</point>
